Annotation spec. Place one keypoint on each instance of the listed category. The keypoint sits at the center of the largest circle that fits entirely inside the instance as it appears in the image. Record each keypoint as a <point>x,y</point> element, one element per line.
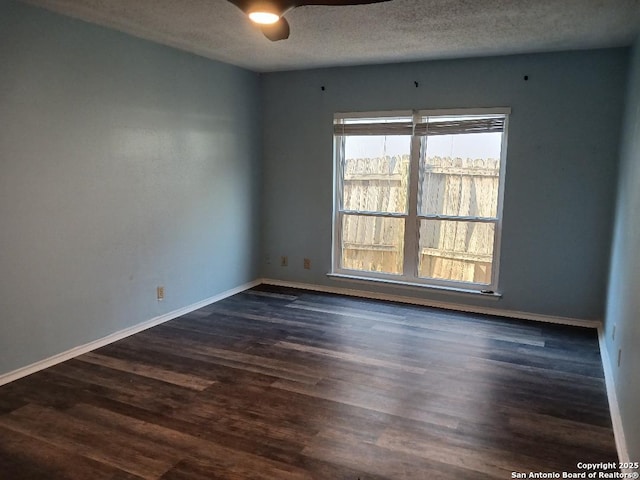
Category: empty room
<point>358,240</point>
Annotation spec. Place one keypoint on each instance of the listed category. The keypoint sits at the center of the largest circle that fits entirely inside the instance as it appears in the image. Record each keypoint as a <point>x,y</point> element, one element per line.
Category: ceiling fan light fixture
<point>264,18</point>
<point>264,12</point>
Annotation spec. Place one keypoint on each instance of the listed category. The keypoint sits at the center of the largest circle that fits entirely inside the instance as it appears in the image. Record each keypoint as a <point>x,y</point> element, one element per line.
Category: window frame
<point>412,218</point>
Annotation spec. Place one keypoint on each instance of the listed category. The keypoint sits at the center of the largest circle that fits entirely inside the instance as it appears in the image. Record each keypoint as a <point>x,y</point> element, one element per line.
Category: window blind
<point>395,128</point>
<point>453,127</point>
<point>428,127</point>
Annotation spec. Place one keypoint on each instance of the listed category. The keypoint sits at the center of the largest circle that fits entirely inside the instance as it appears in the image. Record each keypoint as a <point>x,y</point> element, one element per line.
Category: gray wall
<point>560,177</point>
<point>123,165</point>
<point>623,303</point>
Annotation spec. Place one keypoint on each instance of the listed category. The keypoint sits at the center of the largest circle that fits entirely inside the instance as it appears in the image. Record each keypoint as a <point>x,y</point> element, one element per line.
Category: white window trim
<point>355,278</point>
<point>411,217</point>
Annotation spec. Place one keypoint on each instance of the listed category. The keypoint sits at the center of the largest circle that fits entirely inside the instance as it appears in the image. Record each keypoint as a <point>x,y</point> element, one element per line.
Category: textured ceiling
<point>395,31</point>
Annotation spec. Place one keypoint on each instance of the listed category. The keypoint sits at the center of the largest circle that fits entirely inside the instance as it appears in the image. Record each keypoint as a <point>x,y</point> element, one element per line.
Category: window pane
<point>460,174</point>
<point>457,251</point>
<point>376,173</point>
<point>372,244</point>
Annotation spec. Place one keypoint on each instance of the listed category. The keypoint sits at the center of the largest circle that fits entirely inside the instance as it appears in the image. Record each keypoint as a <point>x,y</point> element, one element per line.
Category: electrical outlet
<point>160,293</point>
<point>267,259</point>
<point>613,332</point>
<point>307,264</point>
<point>284,261</point>
<point>619,356</point>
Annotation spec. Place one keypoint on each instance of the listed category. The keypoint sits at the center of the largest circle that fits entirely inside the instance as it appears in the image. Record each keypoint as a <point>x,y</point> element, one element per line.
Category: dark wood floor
<point>283,384</point>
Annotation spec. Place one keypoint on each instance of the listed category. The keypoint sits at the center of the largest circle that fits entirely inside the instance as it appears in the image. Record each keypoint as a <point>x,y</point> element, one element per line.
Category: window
<point>419,197</point>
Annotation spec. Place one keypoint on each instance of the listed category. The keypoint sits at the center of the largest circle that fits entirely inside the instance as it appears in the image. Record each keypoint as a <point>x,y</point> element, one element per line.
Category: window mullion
<point>338,203</point>
<point>410,266</point>
<point>460,218</point>
<point>367,213</point>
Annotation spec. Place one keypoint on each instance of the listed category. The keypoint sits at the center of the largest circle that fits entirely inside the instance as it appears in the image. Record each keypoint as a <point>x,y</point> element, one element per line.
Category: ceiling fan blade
<point>276,31</point>
<point>285,5</point>
<point>241,4</point>
<point>336,3</point>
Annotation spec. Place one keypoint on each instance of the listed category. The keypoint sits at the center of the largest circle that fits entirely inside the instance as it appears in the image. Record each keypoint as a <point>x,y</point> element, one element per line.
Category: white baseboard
<point>616,419</point>
<point>577,322</point>
<point>113,337</point>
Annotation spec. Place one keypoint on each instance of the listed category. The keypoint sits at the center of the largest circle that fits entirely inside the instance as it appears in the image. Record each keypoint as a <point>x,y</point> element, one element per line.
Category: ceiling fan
<point>269,14</point>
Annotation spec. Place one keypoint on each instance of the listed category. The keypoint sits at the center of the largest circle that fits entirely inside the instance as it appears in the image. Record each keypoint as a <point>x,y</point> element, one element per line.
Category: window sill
<point>415,286</point>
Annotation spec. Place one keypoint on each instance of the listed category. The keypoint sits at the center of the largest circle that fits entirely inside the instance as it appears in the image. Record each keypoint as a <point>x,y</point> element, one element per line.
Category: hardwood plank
<point>24,457</point>
<point>183,445</point>
<point>562,431</point>
<point>102,444</point>
<point>379,402</point>
<point>187,381</point>
<point>373,459</point>
<point>351,357</point>
<point>491,462</point>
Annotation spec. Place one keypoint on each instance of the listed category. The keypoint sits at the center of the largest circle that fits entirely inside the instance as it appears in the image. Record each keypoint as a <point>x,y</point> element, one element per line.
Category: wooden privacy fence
<point>448,249</point>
